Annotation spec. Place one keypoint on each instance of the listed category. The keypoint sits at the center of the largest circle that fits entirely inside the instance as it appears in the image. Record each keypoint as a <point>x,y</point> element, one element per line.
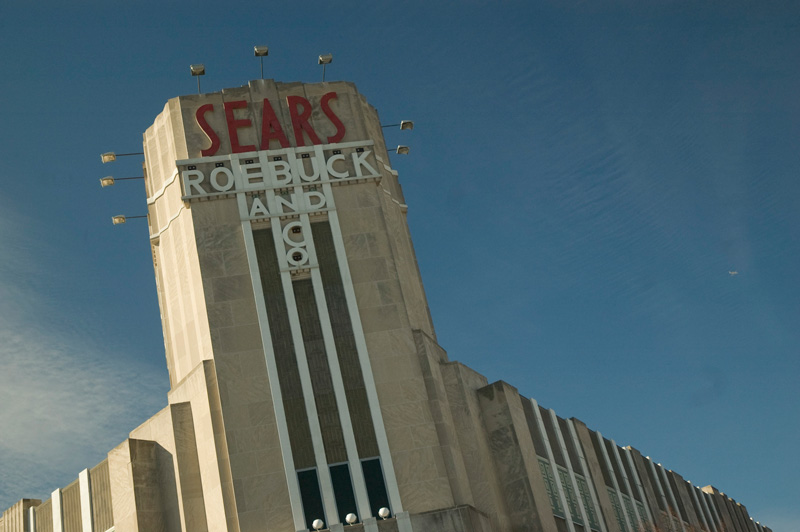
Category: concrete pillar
<point>593,462</point>
<point>191,485</point>
<point>515,459</point>
<point>722,508</point>
<point>431,355</point>
<point>683,492</point>
<point>87,518</point>
<point>461,384</point>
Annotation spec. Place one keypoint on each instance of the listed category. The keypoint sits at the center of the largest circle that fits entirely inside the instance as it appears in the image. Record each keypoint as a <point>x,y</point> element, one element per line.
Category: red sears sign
<point>272,132</point>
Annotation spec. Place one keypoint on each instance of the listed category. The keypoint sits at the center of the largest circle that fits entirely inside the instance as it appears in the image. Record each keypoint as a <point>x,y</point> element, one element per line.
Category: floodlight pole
<point>198,84</point>
<point>262,66</point>
<point>323,71</point>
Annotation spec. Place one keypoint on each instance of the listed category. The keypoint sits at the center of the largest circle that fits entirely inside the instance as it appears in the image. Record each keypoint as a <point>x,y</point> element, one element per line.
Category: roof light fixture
<point>108,180</point>
<point>404,124</point>
<point>324,60</point>
<point>198,70</point>
<point>261,52</point>
<point>401,150</point>
<point>121,218</point>
<point>110,156</point>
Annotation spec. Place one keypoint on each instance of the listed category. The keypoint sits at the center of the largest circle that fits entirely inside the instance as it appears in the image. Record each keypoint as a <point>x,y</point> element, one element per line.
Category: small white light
<point>119,219</point>
<point>108,157</point>
<point>350,518</point>
<point>198,70</point>
<point>325,59</point>
<point>406,124</point>
<point>261,51</point>
<point>317,524</point>
<point>106,181</point>
<point>403,150</point>
<point>383,513</point>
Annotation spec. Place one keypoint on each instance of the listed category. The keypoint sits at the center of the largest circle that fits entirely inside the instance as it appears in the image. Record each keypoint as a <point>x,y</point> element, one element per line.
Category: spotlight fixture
<point>384,512</point>
<point>401,150</point>
<point>324,60</point>
<point>108,180</point>
<point>317,524</point>
<point>110,156</point>
<point>350,519</point>
<point>404,124</point>
<point>121,218</point>
<point>261,52</point>
<point>198,70</point>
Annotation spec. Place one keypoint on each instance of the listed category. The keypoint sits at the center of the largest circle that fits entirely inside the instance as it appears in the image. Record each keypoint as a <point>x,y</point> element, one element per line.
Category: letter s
<point>326,108</point>
<point>207,129</point>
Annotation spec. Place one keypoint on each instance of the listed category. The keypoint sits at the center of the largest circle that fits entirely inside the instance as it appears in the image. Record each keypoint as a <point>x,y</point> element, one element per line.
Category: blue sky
<point>583,178</point>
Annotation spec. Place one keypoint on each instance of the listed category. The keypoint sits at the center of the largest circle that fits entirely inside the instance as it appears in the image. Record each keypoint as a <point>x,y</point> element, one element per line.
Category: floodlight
<point>121,218</point>
<point>404,124</point>
<point>402,150</point>
<point>317,524</point>
<point>110,156</point>
<point>108,180</point>
<point>261,52</point>
<point>198,70</point>
<point>350,518</point>
<point>384,512</point>
<point>324,60</point>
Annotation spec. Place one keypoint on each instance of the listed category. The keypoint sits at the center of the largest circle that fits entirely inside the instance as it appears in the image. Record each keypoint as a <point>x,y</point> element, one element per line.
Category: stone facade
<point>306,379</point>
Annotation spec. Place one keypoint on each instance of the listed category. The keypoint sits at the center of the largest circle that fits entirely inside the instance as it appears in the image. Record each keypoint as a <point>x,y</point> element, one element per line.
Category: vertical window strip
<point>550,486</point>
<point>283,350</point>
<point>572,500</point>
<point>644,524</point>
<point>321,380</point>
<point>586,496</point>
<point>344,340</point>
<point>612,494</point>
<point>588,483</point>
<point>630,510</point>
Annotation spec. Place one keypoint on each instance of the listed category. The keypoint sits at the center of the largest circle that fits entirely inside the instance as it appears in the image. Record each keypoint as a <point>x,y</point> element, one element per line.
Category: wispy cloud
<point>64,402</point>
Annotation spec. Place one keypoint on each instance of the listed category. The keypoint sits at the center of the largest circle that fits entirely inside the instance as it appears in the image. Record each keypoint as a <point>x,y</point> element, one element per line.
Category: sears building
<point>307,388</point>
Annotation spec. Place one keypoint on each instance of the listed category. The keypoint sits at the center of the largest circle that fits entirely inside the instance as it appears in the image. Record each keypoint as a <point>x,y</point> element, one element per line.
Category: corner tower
<point>287,277</point>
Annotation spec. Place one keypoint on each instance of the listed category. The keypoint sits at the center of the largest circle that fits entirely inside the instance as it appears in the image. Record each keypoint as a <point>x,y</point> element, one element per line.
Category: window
<point>376,485</point>
<point>310,495</point>
<point>550,486</point>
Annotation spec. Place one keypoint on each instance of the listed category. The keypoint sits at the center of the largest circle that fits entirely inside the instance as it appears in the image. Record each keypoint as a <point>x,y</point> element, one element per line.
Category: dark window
<point>312,498</point>
<point>376,485</point>
<point>343,488</point>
